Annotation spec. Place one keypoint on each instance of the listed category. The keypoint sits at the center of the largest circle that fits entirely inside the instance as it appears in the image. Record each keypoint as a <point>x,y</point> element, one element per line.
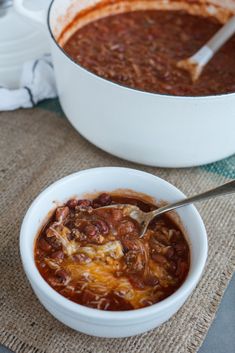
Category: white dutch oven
<point>153,129</point>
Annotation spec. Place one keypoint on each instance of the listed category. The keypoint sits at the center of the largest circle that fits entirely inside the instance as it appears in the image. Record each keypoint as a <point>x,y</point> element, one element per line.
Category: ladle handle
<point>221,37</point>
<point>224,189</point>
<point>205,53</point>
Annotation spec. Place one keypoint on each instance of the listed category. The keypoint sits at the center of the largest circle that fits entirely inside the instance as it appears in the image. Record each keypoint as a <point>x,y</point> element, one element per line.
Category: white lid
<point>20,40</point>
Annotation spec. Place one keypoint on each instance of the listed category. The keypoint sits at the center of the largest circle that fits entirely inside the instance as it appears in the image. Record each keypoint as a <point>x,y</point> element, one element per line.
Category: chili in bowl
<point>94,256</point>
<point>88,266</point>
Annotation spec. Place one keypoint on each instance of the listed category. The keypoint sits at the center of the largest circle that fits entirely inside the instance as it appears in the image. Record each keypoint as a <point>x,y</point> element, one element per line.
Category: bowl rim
<point>37,280</point>
<point>116,84</point>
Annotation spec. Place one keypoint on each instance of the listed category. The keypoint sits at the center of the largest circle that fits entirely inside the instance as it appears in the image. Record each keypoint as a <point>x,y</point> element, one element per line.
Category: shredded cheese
<point>99,275</point>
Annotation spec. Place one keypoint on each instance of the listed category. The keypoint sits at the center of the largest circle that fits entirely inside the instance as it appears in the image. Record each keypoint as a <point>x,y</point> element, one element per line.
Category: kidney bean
<point>151,280</point>
<point>91,230</point>
<point>81,258</point>
<point>72,203</point>
<point>61,213</point>
<point>102,226</point>
<point>180,248</point>
<point>44,245</point>
<point>63,276</point>
<point>182,268</point>
<point>84,204</point>
<point>105,199</point>
<point>80,224</point>
<point>58,255</point>
<point>136,281</point>
<point>126,228</point>
<point>102,200</point>
<point>93,234</point>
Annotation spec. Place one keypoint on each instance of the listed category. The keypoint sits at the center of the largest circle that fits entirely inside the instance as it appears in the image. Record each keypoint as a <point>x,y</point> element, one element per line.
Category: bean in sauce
<point>140,49</point>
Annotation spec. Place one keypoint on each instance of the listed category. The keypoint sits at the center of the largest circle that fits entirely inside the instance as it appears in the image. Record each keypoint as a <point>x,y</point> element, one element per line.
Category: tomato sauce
<point>140,49</point>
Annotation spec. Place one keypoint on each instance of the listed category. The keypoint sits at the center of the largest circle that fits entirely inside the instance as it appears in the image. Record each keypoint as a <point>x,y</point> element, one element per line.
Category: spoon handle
<point>221,37</point>
<point>224,189</point>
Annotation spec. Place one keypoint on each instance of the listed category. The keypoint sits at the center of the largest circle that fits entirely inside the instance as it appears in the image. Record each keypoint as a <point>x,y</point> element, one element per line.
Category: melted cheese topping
<point>99,275</point>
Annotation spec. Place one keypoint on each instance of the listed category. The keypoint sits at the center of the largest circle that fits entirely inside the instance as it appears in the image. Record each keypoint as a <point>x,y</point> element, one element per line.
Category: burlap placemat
<point>36,148</point>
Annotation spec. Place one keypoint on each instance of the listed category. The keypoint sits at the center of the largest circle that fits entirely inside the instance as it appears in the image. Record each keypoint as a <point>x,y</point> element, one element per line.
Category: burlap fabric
<point>36,148</point>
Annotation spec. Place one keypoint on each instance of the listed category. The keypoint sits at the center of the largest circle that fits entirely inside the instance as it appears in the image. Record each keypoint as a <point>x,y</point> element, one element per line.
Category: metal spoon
<point>144,218</point>
<point>196,63</point>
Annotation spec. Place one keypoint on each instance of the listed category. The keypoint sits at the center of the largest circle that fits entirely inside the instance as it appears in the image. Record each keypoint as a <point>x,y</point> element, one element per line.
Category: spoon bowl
<point>196,63</point>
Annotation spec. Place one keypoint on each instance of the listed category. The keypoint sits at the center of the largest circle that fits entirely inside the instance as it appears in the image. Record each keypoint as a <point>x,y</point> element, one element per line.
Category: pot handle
<point>37,15</point>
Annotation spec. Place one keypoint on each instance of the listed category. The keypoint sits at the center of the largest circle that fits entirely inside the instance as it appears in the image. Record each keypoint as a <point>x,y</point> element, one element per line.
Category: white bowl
<point>98,322</point>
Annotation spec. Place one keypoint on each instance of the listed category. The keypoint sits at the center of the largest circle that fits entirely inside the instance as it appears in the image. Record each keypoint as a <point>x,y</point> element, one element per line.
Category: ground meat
<point>141,49</point>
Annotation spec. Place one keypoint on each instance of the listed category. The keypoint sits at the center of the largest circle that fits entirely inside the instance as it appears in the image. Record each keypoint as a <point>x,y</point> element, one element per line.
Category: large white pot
<point>153,129</point>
